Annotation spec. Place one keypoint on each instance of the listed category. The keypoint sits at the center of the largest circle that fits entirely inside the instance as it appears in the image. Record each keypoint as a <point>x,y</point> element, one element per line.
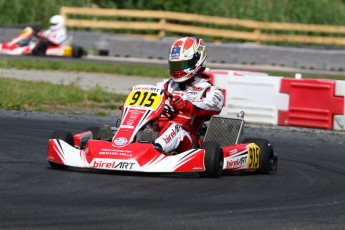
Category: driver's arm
<point>211,104</point>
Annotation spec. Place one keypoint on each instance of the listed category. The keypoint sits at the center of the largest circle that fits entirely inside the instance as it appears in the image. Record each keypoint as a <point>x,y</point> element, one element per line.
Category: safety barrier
<point>252,92</point>
<point>339,120</point>
<point>283,101</point>
<point>312,103</point>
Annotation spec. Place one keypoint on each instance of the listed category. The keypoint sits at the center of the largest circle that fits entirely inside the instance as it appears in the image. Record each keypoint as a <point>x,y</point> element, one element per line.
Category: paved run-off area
<point>109,82</point>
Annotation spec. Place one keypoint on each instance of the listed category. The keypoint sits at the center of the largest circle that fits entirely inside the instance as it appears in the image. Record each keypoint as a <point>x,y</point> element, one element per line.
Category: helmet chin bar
<point>188,75</point>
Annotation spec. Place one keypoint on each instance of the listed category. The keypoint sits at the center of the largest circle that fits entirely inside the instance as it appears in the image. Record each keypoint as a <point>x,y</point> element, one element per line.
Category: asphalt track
<point>307,192</point>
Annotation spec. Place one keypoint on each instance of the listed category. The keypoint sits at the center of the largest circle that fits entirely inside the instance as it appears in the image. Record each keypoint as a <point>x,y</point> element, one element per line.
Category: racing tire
<point>66,137</point>
<point>268,161</point>
<point>78,52</point>
<point>213,160</point>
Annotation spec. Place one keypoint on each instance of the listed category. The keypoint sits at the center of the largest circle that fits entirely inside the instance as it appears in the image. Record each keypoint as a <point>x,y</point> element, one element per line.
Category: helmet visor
<point>186,64</point>
<point>179,65</point>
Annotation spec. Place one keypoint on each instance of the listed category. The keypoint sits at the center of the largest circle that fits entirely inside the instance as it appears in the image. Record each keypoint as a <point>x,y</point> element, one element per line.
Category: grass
<point>41,96</point>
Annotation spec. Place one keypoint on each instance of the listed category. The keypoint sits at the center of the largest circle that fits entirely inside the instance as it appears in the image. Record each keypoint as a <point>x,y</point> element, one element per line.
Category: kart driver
<point>54,36</point>
<point>195,99</point>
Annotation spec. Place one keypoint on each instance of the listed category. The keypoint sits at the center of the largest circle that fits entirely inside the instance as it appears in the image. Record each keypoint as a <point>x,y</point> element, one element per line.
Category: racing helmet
<point>56,22</point>
<point>187,58</point>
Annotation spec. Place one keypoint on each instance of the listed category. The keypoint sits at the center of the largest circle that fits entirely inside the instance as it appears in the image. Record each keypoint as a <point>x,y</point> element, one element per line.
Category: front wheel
<point>268,160</point>
<point>213,160</point>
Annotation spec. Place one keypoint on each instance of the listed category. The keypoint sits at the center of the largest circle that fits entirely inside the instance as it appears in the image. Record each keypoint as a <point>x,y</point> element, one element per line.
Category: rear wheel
<point>214,160</point>
<point>66,137</point>
<point>267,159</point>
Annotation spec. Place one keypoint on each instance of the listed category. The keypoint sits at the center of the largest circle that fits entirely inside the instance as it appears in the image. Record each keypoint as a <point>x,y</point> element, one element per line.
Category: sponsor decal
<point>191,93</point>
<point>231,152</point>
<point>175,52</point>
<point>197,168</point>
<point>102,164</point>
<point>127,127</point>
<point>240,162</point>
<point>116,152</point>
<point>131,118</point>
<point>106,164</point>
<point>172,134</point>
<point>146,88</point>
<point>124,165</point>
<point>179,93</point>
<point>120,141</point>
<point>197,88</point>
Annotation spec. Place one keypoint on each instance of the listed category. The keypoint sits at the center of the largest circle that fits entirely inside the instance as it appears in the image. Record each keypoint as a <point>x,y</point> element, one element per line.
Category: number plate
<point>253,156</point>
<point>144,97</point>
<point>26,32</point>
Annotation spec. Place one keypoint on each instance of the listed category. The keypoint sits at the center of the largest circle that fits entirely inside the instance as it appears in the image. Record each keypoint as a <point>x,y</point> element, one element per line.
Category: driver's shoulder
<point>202,82</point>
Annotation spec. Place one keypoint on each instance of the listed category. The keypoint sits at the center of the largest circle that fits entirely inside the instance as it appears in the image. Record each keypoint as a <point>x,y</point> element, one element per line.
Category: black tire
<point>214,160</point>
<point>267,158</point>
<point>78,52</point>
<point>66,137</point>
<point>56,165</point>
<point>94,131</point>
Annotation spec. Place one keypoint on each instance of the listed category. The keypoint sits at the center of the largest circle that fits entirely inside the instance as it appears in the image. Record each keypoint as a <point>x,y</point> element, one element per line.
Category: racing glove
<point>182,105</point>
<point>40,34</point>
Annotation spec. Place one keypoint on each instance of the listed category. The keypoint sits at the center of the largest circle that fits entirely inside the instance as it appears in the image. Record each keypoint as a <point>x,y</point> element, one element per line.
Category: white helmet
<point>56,22</point>
<point>187,58</point>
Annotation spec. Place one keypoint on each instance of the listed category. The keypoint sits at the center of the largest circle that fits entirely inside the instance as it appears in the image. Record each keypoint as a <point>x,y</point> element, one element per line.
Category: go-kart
<point>129,145</point>
<point>25,42</point>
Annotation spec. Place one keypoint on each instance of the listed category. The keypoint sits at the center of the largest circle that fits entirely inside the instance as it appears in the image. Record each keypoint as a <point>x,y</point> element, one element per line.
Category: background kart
<point>128,146</point>
<point>25,42</point>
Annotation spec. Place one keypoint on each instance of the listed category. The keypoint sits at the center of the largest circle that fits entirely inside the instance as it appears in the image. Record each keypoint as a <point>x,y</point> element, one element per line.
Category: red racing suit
<point>202,100</point>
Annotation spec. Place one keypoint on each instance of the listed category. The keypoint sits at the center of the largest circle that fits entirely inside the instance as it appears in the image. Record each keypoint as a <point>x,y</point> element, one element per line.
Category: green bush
<point>16,12</point>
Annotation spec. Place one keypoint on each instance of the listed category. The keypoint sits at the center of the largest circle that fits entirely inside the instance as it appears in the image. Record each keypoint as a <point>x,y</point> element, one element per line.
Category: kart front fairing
<point>140,157</point>
<point>22,44</point>
<point>143,104</point>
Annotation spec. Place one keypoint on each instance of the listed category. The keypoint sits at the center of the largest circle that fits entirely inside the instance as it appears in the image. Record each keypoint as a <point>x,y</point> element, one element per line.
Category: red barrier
<point>312,103</point>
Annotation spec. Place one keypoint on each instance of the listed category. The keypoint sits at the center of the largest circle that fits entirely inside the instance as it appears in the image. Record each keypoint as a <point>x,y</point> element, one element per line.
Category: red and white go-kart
<point>129,145</point>
<point>25,42</point>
